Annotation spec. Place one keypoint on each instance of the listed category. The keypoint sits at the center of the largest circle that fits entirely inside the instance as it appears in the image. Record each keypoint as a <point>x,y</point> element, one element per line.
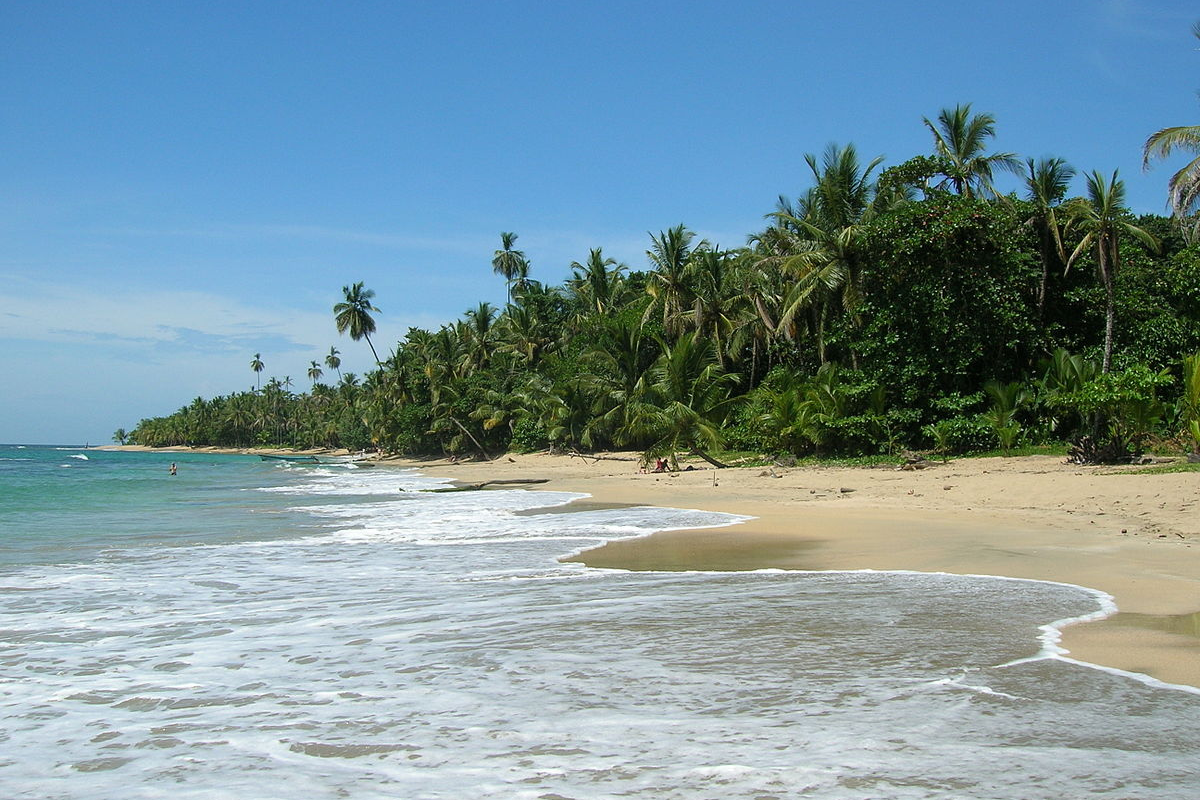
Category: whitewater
<point>260,630</point>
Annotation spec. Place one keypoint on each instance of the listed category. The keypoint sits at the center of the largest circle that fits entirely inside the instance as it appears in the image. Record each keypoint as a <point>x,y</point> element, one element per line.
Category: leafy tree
<point>949,282</point>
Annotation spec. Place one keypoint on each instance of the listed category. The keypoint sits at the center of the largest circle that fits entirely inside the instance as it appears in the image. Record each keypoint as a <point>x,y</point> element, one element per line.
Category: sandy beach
<point>1134,536</point>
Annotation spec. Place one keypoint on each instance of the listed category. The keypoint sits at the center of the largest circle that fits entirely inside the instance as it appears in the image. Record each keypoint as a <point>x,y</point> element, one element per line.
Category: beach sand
<point>1134,536</point>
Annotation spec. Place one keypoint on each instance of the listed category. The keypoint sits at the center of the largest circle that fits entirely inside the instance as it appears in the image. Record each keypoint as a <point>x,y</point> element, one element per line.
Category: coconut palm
<point>333,362</point>
<point>961,138</point>
<point>669,254</point>
<point>509,262</point>
<point>314,372</point>
<point>822,239</point>
<point>257,366</point>
<point>1046,184</point>
<point>1101,218</point>
<point>1183,190</point>
<point>715,298</point>
<point>686,402</point>
<point>594,286</point>
<point>354,314</point>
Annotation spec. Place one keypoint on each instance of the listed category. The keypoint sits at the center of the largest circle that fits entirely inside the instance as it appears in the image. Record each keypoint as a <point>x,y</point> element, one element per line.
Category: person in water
<point>172,469</point>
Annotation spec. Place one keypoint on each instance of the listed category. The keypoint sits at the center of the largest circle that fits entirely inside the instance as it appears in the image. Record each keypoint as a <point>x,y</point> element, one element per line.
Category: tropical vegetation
<point>915,307</point>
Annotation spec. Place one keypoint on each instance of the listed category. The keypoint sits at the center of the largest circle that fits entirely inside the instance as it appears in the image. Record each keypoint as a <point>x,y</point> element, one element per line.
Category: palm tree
<point>715,297</point>
<point>478,333</point>
<point>314,372</point>
<point>594,285</point>
<point>669,254</point>
<point>333,362</point>
<point>354,315</point>
<point>1183,190</point>
<point>257,366</point>
<point>1102,219</point>
<point>1046,182</point>
<point>509,262</point>
<point>823,238</point>
<point>687,401</point>
<point>961,138</point>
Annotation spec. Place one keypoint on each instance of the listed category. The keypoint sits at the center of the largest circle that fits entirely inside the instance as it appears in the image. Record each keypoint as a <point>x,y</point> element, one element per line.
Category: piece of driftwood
<point>474,487</point>
<point>595,458</point>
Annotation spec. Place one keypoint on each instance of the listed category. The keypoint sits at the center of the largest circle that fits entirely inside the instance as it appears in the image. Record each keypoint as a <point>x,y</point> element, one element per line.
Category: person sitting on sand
<point>660,465</point>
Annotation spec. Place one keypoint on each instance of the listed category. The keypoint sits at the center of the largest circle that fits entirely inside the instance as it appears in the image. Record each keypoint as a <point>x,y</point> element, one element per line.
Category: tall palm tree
<point>1101,218</point>
<point>961,138</point>
<point>525,333</point>
<point>257,366</point>
<point>314,372</point>
<point>1183,190</point>
<point>688,399</point>
<point>594,285</point>
<point>333,362</point>
<point>478,334</point>
<point>510,262</point>
<point>823,238</point>
<point>669,254</point>
<point>1046,184</point>
<point>715,296</point>
<point>354,314</point>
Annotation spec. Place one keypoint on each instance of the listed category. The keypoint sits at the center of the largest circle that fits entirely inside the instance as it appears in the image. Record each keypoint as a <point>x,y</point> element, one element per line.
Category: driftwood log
<point>474,487</point>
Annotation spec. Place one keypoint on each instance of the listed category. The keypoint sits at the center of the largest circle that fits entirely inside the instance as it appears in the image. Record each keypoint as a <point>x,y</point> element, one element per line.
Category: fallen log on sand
<point>474,487</point>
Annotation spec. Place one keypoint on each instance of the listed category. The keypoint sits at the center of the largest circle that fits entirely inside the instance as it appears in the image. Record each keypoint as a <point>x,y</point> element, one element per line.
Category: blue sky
<point>185,185</point>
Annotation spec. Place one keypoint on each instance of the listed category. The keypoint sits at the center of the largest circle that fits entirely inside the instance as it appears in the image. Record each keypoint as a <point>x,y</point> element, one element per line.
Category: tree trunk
<point>708,458</point>
<point>1110,311</point>
<point>486,457</point>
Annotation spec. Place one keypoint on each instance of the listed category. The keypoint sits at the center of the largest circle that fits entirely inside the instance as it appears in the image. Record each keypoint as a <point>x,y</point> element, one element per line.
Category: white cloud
<point>144,318</point>
<point>141,320</point>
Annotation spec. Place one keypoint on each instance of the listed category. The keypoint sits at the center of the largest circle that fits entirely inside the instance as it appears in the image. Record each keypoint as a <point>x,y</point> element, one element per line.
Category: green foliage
<point>529,436</point>
<point>916,173</point>
<point>1123,406</point>
<point>860,322</point>
<point>957,435</point>
<point>949,301</point>
<point>1189,401</point>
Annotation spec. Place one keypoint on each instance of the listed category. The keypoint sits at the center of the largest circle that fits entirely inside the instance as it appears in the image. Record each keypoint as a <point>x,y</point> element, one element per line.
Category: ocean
<point>250,629</point>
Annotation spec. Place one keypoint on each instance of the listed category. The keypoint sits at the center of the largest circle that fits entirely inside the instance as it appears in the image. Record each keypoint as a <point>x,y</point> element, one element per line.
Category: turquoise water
<point>257,630</point>
<point>63,503</point>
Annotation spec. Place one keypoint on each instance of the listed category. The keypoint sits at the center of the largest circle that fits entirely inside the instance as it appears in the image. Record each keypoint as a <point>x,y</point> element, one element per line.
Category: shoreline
<point>1133,537</point>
